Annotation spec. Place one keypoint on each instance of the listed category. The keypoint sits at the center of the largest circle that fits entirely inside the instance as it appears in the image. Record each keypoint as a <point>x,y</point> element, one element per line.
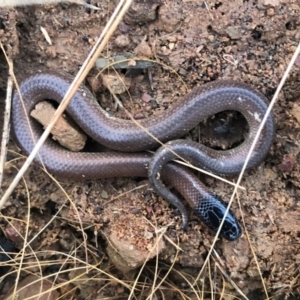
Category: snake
<point>128,144</point>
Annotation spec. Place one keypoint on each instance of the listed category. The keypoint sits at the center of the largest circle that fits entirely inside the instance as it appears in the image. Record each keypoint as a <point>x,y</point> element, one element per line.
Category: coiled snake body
<point>128,141</point>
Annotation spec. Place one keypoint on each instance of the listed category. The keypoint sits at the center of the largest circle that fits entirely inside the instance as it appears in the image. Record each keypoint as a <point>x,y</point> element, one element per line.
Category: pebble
<point>143,49</point>
<point>146,97</point>
<point>234,32</point>
<point>171,46</point>
<point>139,116</point>
<point>122,40</point>
<point>169,19</point>
<point>117,83</point>
<point>104,194</point>
<point>153,104</point>
<point>211,37</point>
<point>182,72</point>
<point>123,27</point>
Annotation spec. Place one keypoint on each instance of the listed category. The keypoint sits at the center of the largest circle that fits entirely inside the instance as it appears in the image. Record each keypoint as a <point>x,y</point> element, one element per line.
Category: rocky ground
<point>124,221</point>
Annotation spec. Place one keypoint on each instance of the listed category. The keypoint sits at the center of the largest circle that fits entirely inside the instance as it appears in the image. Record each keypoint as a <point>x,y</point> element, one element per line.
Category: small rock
<point>234,32</point>
<point>132,63</point>
<point>141,11</point>
<point>171,46</point>
<point>94,82</point>
<point>159,99</point>
<point>148,235</point>
<point>169,19</point>
<point>123,27</point>
<point>154,104</point>
<point>247,19</point>
<point>269,2</point>
<point>143,49</point>
<point>122,40</point>
<point>288,163</point>
<point>51,51</point>
<point>146,97</point>
<point>65,131</point>
<point>271,11</point>
<point>126,257</point>
<point>104,194</point>
<point>165,51</point>
<point>117,83</point>
<point>211,38</point>
<point>182,72</point>
<point>139,116</point>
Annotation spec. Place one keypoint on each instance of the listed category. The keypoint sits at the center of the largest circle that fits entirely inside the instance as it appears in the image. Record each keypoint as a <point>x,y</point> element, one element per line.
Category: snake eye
<point>211,210</point>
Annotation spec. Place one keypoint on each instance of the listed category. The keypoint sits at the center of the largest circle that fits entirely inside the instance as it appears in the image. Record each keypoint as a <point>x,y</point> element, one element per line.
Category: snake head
<point>211,211</point>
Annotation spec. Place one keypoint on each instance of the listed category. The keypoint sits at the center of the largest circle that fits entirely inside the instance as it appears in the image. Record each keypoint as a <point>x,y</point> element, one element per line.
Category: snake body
<point>128,141</point>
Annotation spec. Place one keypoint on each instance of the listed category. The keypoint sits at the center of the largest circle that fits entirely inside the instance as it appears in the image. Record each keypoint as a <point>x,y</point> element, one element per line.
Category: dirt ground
<point>248,41</point>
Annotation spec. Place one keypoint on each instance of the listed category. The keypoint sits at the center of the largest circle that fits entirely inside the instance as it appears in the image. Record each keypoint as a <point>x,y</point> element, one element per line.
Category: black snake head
<point>211,210</point>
